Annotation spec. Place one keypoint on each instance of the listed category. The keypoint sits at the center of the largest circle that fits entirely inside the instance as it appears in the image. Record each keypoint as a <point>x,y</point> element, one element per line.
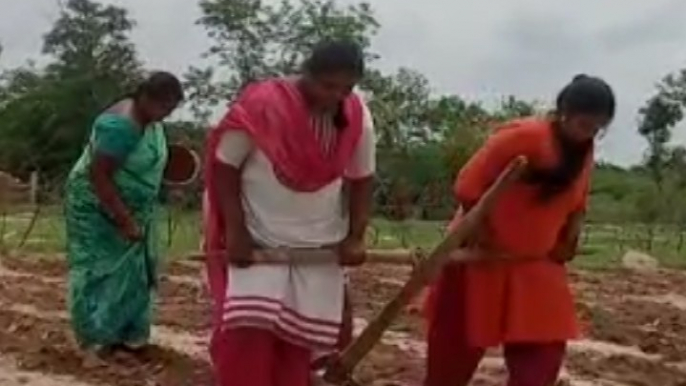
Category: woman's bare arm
<point>232,152</point>
<point>360,203</point>
<point>101,175</point>
<point>228,192</point>
<point>568,240</point>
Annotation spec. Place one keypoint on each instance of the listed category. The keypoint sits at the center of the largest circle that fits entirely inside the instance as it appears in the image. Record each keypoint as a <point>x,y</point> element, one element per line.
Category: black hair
<point>586,95</point>
<point>335,56</point>
<point>583,95</point>
<point>160,85</point>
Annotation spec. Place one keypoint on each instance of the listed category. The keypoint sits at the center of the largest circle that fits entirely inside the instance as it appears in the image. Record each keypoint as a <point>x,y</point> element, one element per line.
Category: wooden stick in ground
<point>340,371</point>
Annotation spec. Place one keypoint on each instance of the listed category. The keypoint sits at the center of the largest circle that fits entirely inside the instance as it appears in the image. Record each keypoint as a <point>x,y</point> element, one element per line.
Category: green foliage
<point>423,138</point>
<point>45,113</point>
<point>252,39</point>
<point>663,162</point>
<point>92,39</point>
<point>400,102</point>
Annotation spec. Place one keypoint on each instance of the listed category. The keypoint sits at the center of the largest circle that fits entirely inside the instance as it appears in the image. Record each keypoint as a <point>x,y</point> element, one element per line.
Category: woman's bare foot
<point>95,356</point>
<point>136,346</point>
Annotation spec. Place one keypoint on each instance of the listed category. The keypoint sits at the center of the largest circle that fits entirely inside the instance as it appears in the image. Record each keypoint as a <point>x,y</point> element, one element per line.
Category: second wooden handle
<point>339,372</point>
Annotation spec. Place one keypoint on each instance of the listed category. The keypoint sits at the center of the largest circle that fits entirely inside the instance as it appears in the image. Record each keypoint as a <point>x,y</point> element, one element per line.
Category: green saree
<point>111,279</point>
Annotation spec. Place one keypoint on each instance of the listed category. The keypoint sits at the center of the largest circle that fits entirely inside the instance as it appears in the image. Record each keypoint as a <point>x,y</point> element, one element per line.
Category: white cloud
<point>483,50</point>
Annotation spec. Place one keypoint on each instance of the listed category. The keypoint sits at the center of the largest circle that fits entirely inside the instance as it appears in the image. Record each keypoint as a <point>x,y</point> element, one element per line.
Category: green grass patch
<point>180,233</point>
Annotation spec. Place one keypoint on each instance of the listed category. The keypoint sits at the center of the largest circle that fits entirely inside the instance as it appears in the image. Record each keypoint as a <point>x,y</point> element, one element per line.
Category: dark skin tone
<point>352,250</point>
<point>104,167</point>
<point>324,94</point>
<point>239,243</point>
<point>568,241</point>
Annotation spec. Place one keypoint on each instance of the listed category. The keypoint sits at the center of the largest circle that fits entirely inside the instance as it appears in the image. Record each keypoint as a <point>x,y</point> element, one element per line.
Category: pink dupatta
<point>276,117</point>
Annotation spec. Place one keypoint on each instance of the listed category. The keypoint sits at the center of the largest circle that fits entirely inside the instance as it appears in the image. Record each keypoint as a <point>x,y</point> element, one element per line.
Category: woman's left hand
<point>352,251</point>
<point>564,252</point>
<point>568,243</point>
<point>131,231</point>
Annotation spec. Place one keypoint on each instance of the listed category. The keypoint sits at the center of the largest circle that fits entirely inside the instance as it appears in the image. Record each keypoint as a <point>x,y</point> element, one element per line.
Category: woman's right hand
<point>131,231</point>
<point>239,250</point>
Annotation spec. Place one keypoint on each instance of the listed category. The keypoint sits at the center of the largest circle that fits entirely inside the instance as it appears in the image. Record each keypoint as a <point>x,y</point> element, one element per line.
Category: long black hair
<point>331,56</point>
<point>584,95</point>
<point>160,85</point>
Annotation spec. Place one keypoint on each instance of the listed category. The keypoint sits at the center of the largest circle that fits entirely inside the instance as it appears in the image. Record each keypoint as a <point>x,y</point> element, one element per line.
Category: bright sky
<point>480,50</point>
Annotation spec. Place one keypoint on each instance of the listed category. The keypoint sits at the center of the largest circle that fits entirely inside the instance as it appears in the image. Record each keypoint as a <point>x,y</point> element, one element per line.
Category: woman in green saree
<point>110,202</point>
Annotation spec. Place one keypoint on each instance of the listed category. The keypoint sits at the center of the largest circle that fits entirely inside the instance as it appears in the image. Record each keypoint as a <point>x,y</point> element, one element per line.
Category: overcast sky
<point>480,50</point>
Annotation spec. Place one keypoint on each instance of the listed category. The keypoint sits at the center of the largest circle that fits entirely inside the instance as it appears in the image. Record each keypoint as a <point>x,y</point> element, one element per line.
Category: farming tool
<point>339,371</point>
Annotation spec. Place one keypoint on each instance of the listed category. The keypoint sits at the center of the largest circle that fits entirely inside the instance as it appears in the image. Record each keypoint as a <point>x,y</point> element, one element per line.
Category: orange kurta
<point>526,300</point>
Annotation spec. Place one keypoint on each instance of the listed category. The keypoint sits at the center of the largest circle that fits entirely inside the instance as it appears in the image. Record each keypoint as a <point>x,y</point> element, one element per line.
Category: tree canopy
<point>423,137</point>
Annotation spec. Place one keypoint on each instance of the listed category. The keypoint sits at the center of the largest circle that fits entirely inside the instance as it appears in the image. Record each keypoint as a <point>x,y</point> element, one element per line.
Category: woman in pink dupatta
<point>290,165</point>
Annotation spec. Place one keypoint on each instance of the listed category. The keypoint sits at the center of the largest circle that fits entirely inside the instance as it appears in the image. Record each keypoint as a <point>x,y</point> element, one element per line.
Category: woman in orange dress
<point>524,302</point>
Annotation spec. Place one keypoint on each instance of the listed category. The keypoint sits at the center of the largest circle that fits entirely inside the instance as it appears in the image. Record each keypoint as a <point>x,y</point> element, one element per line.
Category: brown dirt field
<point>636,329</point>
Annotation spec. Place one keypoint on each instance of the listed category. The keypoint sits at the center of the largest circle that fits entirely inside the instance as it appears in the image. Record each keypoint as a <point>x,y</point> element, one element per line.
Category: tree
<point>253,40</point>
<point>46,113</point>
<point>400,103</point>
<point>511,107</point>
<point>18,81</point>
<point>422,140</point>
<point>659,116</point>
<point>94,38</point>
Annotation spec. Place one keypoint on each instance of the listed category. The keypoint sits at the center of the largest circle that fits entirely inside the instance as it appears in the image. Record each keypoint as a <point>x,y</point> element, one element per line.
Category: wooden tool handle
<point>339,371</point>
<point>281,255</point>
<point>322,256</point>
<point>402,257</point>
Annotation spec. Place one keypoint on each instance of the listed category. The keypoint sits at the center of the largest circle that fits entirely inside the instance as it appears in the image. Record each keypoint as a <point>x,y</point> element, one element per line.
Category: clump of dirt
<point>625,370</point>
<point>653,327</point>
<point>28,290</point>
<point>373,286</point>
<point>45,345</point>
<point>663,327</point>
<point>180,305</point>
<point>602,325</point>
<point>183,306</point>
<point>615,306</point>
<point>183,269</point>
<point>43,266</point>
<point>56,266</point>
<point>629,283</point>
<point>391,366</point>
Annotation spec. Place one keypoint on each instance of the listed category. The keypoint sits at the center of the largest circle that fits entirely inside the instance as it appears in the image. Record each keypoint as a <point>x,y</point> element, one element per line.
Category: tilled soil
<point>635,331</point>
